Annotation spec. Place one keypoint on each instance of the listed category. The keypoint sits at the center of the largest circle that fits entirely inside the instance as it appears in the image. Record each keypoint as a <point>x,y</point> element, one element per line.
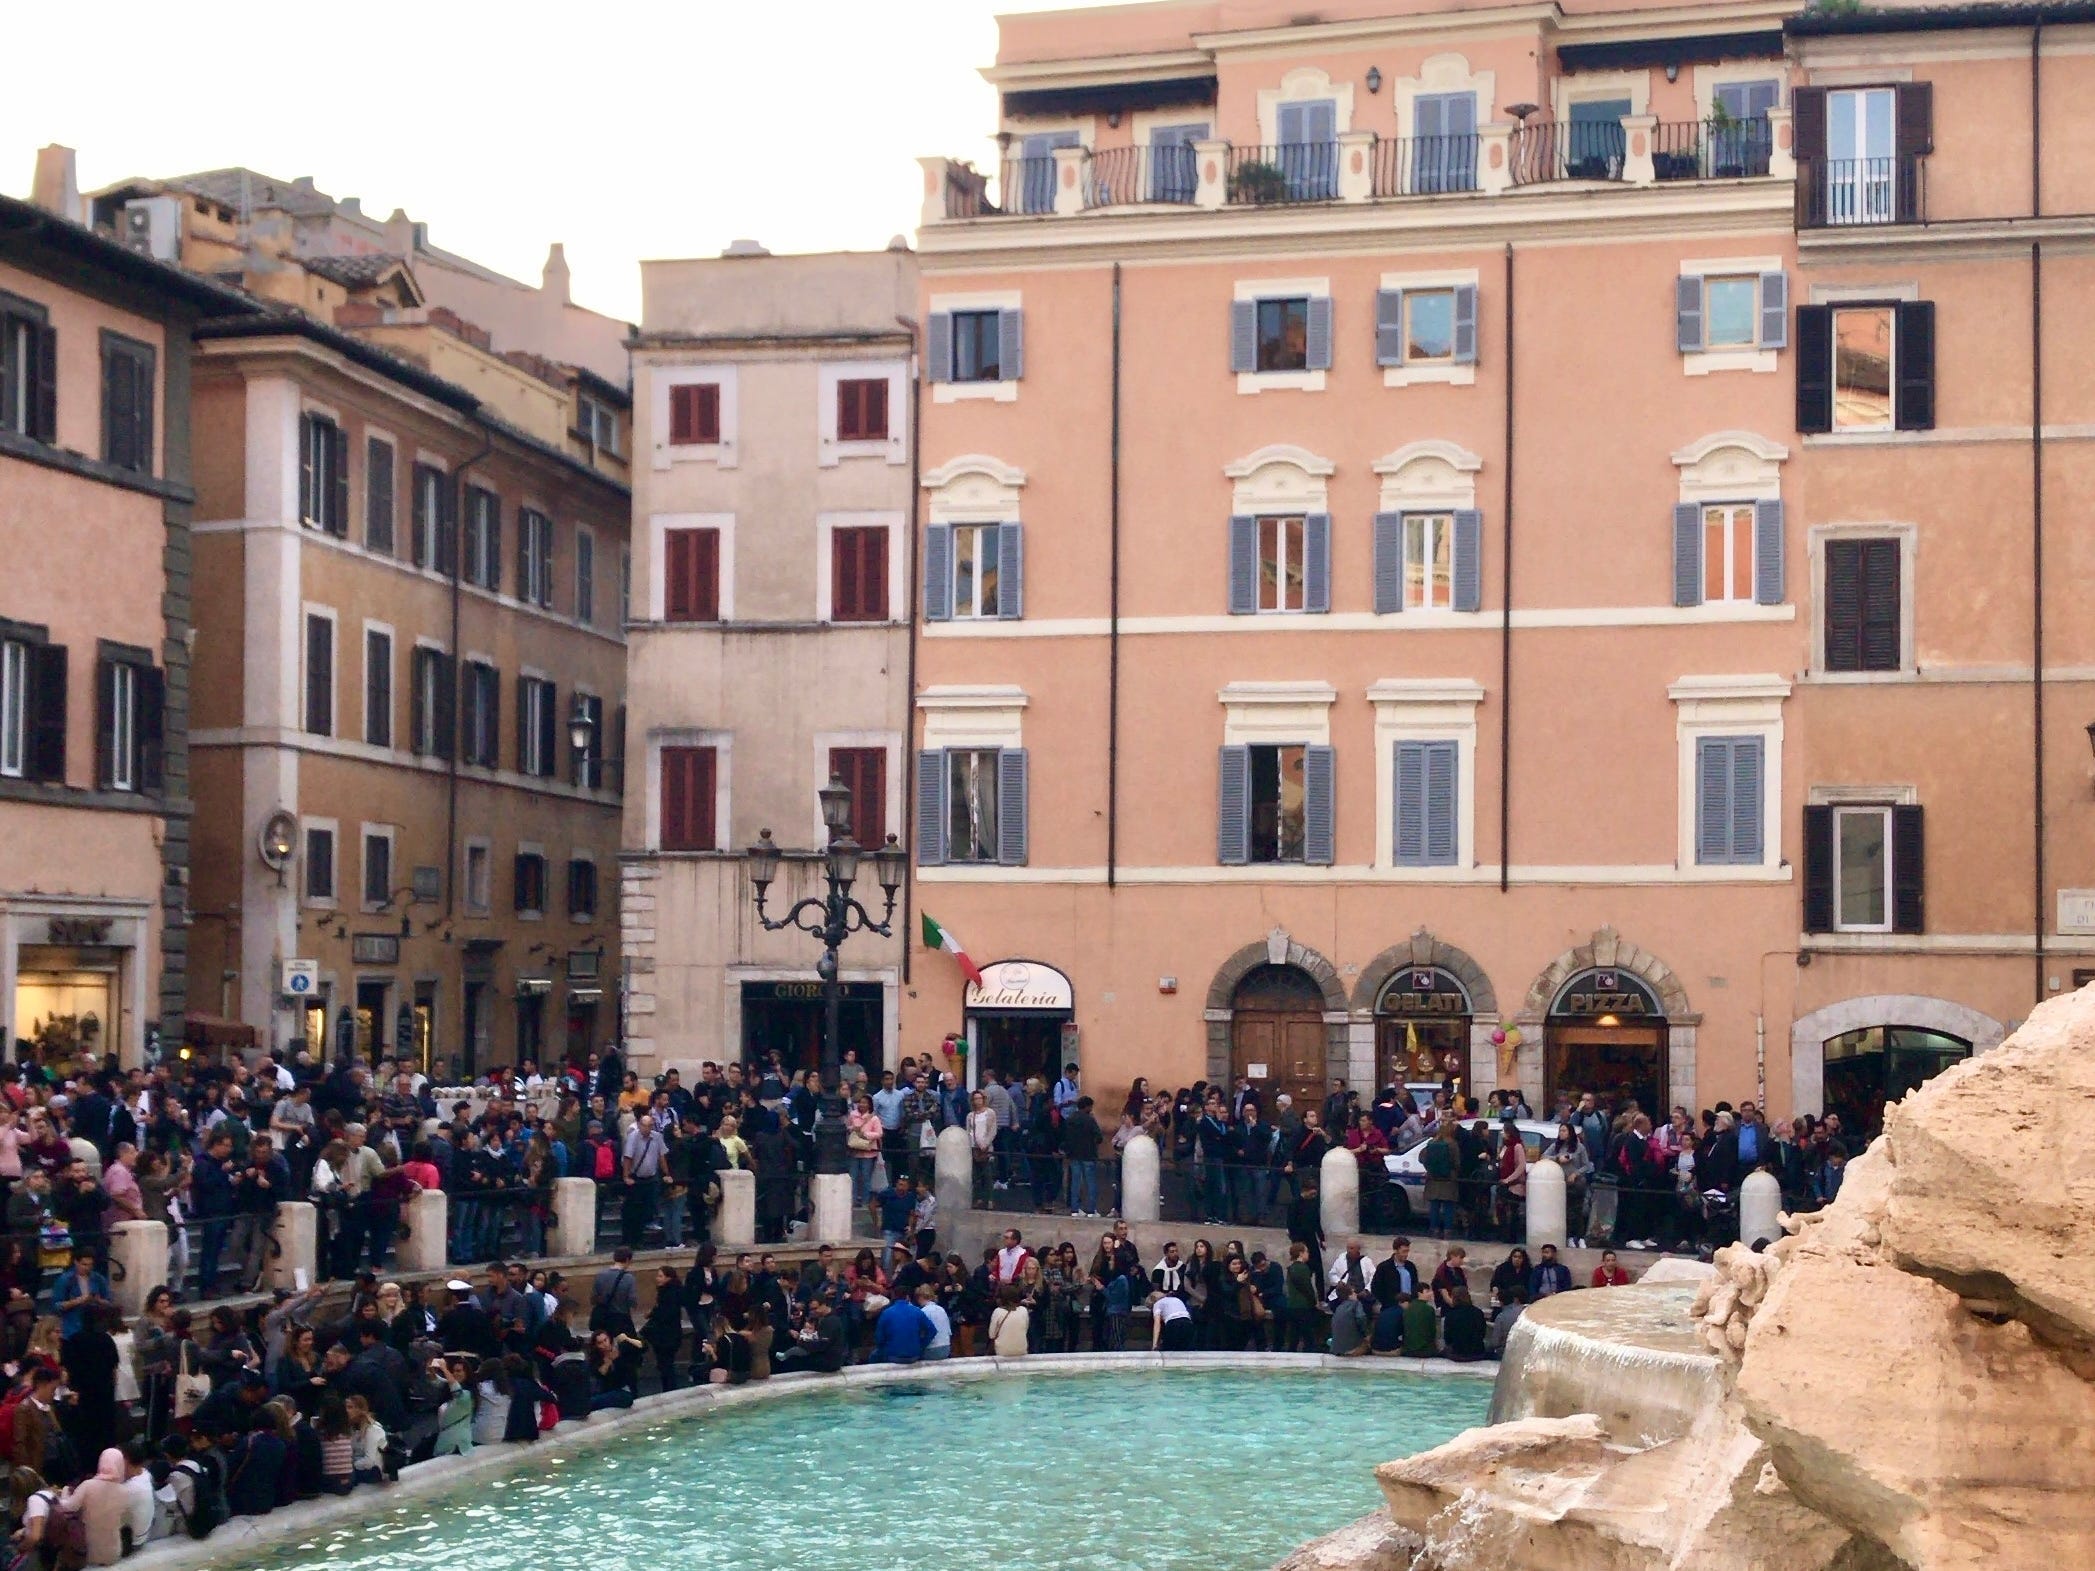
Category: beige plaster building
<point>774,412</point>
<point>95,629</point>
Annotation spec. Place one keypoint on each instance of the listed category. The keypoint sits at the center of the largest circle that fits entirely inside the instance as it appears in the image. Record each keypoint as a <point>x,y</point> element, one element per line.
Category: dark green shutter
<point>1818,869</point>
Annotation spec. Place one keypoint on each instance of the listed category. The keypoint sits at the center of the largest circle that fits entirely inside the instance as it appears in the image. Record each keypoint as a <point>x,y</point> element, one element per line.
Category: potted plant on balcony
<point>1258,183</point>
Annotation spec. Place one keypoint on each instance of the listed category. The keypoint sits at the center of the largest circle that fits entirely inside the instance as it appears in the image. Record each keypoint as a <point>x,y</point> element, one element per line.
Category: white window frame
<point>536,692</point>
<point>366,833</point>
<point>1908,537</point>
<point>1726,706</point>
<point>14,708</point>
<point>894,447</point>
<point>1426,709</point>
<point>415,741</point>
<point>535,848</point>
<point>1882,812</point>
<point>440,469</point>
<point>1304,84</point>
<point>332,900</point>
<point>534,555</point>
<point>1147,122</point>
<point>1255,290</point>
<point>392,684</point>
<point>479,902</point>
<point>308,416</point>
<point>585,551</point>
<point>1735,594</point>
<point>1751,358</point>
<point>723,454</point>
<point>123,726</point>
<point>896,524</point>
<point>1279,522</point>
<point>1438,592</point>
<point>1005,389</point>
<point>478,565</point>
<point>658,527</point>
<point>723,744</point>
<point>974,531</point>
<point>334,669</point>
<point>1424,373</point>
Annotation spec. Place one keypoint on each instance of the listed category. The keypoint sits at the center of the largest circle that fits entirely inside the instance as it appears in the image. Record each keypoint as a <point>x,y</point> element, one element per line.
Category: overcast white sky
<point>626,128</point>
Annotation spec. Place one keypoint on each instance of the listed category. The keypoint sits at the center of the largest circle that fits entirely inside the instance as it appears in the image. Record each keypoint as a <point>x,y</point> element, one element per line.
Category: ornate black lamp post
<point>832,917</point>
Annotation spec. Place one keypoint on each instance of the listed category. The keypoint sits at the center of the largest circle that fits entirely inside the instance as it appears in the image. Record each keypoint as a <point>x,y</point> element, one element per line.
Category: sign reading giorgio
<point>1021,984</point>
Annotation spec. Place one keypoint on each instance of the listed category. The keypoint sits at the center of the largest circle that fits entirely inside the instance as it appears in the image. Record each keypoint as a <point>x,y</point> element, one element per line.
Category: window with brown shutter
<point>688,782</point>
<point>862,409</point>
<point>691,575</point>
<point>864,771</point>
<point>1862,612</point>
<point>694,414</point>
<point>858,574</point>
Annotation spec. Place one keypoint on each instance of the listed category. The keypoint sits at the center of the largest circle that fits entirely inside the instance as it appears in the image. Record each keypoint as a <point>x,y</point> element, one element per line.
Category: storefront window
<point>1606,1035</point>
<point>1868,1068</point>
<point>67,1003</point>
<point>1422,1030</point>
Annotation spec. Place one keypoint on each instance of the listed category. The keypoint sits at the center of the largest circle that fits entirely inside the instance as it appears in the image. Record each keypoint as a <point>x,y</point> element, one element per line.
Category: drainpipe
<point>2037,118</point>
<point>1506,614</point>
<point>458,513</point>
<point>909,714</point>
<point>2038,900</point>
<point>1113,619</point>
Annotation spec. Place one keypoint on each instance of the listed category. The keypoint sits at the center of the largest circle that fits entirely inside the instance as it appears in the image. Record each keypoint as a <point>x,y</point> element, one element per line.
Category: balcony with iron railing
<point>1360,166</point>
<point>1850,193</point>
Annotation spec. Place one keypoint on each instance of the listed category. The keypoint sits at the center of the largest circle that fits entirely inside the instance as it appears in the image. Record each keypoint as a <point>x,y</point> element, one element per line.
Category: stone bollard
<point>295,1231</point>
<point>1546,1200</point>
<point>137,1263</point>
<point>1760,1203</point>
<point>953,1173</point>
<point>829,1205</point>
<point>1141,1181</point>
<point>574,1217</point>
<point>737,1228</point>
<point>427,1245</point>
<point>1338,1186</point>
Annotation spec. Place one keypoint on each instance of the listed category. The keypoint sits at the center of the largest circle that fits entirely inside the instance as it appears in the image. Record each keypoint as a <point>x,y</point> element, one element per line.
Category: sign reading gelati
<point>1021,984</point>
<point>1423,990</point>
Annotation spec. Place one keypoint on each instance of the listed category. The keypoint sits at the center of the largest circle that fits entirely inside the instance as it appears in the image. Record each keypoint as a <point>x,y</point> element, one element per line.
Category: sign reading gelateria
<point>1021,984</point>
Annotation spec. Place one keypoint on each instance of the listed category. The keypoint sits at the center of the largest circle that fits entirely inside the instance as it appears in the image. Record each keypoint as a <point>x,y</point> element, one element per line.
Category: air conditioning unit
<point>152,226</point>
<point>428,885</point>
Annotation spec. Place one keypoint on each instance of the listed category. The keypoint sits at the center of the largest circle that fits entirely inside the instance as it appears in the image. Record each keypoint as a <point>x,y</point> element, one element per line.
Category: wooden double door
<point>1277,1037</point>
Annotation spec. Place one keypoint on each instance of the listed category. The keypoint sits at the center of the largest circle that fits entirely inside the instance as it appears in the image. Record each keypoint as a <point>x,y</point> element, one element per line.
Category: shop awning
<point>212,1031</point>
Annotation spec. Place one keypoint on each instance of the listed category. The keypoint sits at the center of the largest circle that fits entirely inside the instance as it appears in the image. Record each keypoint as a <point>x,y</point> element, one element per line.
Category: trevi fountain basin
<point>1904,1381</point>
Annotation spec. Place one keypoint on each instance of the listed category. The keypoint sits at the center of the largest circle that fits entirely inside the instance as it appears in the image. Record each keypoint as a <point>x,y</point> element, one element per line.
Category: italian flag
<point>936,937</point>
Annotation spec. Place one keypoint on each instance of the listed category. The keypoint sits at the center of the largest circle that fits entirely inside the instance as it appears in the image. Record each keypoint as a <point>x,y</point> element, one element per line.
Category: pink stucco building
<point>1406,502</point>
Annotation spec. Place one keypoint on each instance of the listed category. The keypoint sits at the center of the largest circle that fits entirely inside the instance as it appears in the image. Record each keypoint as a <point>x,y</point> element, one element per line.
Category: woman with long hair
<point>153,1345</point>
<point>862,1139</point>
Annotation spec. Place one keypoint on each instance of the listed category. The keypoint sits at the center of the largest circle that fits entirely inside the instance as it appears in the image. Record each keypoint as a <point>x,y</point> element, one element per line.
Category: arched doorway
<point>1878,1064</point>
<point>1422,1021</point>
<point>1812,1037</point>
<point>1276,1037</point>
<point>1606,1034</point>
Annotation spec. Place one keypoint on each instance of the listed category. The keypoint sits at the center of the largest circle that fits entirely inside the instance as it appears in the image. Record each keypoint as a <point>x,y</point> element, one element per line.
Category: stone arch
<point>1808,1034</point>
<point>1423,949</point>
<point>1610,951</point>
<point>1276,949</point>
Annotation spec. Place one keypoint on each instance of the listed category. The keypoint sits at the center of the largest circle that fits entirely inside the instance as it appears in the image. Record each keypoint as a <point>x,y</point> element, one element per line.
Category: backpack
<point>208,1510</point>
<point>64,1543</point>
<point>606,1164</point>
<point>1437,1159</point>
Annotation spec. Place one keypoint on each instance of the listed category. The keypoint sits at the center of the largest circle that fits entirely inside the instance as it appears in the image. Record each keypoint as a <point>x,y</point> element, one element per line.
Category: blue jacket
<point>897,1210</point>
<point>901,1333</point>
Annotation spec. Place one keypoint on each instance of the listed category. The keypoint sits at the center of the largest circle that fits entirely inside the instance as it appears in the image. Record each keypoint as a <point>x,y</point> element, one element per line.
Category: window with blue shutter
<point>1011,807</point>
<point>1011,571</point>
<point>1389,327</point>
<point>1425,830</point>
<point>1687,315</point>
<point>1011,343</point>
<point>1243,565</point>
<point>931,808</point>
<point>1468,594</point>
<point>1308,151</point>
<point>1233,808</point>
<point>1465,324</point>
<point>1317,353</point>
<point>1774,310</point>
<point>1316,562</point>
<point>1243,335</point>
<point>1319,806</point>
<point>979,342</point>
<point>1389,563</point>
<point>1768,585</point>
<point>1730,774</point>
<point>938,347</point>
<point>1281,332</point>
<point>938,573</point>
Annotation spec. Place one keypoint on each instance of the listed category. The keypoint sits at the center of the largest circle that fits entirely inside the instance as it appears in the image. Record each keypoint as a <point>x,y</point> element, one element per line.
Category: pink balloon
<point>1498,1037</point>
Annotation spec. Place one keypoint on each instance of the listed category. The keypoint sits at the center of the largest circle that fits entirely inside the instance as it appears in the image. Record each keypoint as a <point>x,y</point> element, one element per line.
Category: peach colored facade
<point>1518,632</point>
<point>94,606</point>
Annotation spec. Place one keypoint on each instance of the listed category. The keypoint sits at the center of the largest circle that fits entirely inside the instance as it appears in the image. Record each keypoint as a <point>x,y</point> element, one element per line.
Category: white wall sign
<point>1021,984</point>
<point>2077,910</point>
<point>302,978</point>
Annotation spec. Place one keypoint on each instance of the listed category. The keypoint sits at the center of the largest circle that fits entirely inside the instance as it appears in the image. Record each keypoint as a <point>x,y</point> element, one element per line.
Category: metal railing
<point>1293,172</point>
<point>1027,185</point>
<point>1853,192</point>
<point>1128,176</point>
<point>1547,150</point>
<point>1425,165</point>
<point>1711,149</point>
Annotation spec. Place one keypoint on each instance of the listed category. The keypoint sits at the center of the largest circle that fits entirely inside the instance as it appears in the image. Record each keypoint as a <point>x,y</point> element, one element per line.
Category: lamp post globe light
<point>832,917</point>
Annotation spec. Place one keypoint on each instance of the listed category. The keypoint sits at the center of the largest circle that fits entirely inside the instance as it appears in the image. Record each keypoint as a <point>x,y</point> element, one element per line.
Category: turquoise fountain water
<point>1166,1471</point>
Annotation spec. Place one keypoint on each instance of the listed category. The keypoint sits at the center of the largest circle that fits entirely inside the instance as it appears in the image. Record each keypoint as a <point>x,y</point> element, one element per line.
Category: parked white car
<point>1407,1174</point>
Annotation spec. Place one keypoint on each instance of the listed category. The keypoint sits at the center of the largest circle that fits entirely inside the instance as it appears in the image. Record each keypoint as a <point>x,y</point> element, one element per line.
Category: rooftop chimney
<point>554,279</point>
<point>745,248</point>
<point>56,188</point>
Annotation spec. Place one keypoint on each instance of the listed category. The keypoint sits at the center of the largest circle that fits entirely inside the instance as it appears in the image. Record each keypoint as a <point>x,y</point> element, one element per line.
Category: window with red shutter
<point>691,575</point>
<point>862,409</point>
<point>687,799</point>
<point>694,414</point>
<point>858,574</point>
<point>864,771</point>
